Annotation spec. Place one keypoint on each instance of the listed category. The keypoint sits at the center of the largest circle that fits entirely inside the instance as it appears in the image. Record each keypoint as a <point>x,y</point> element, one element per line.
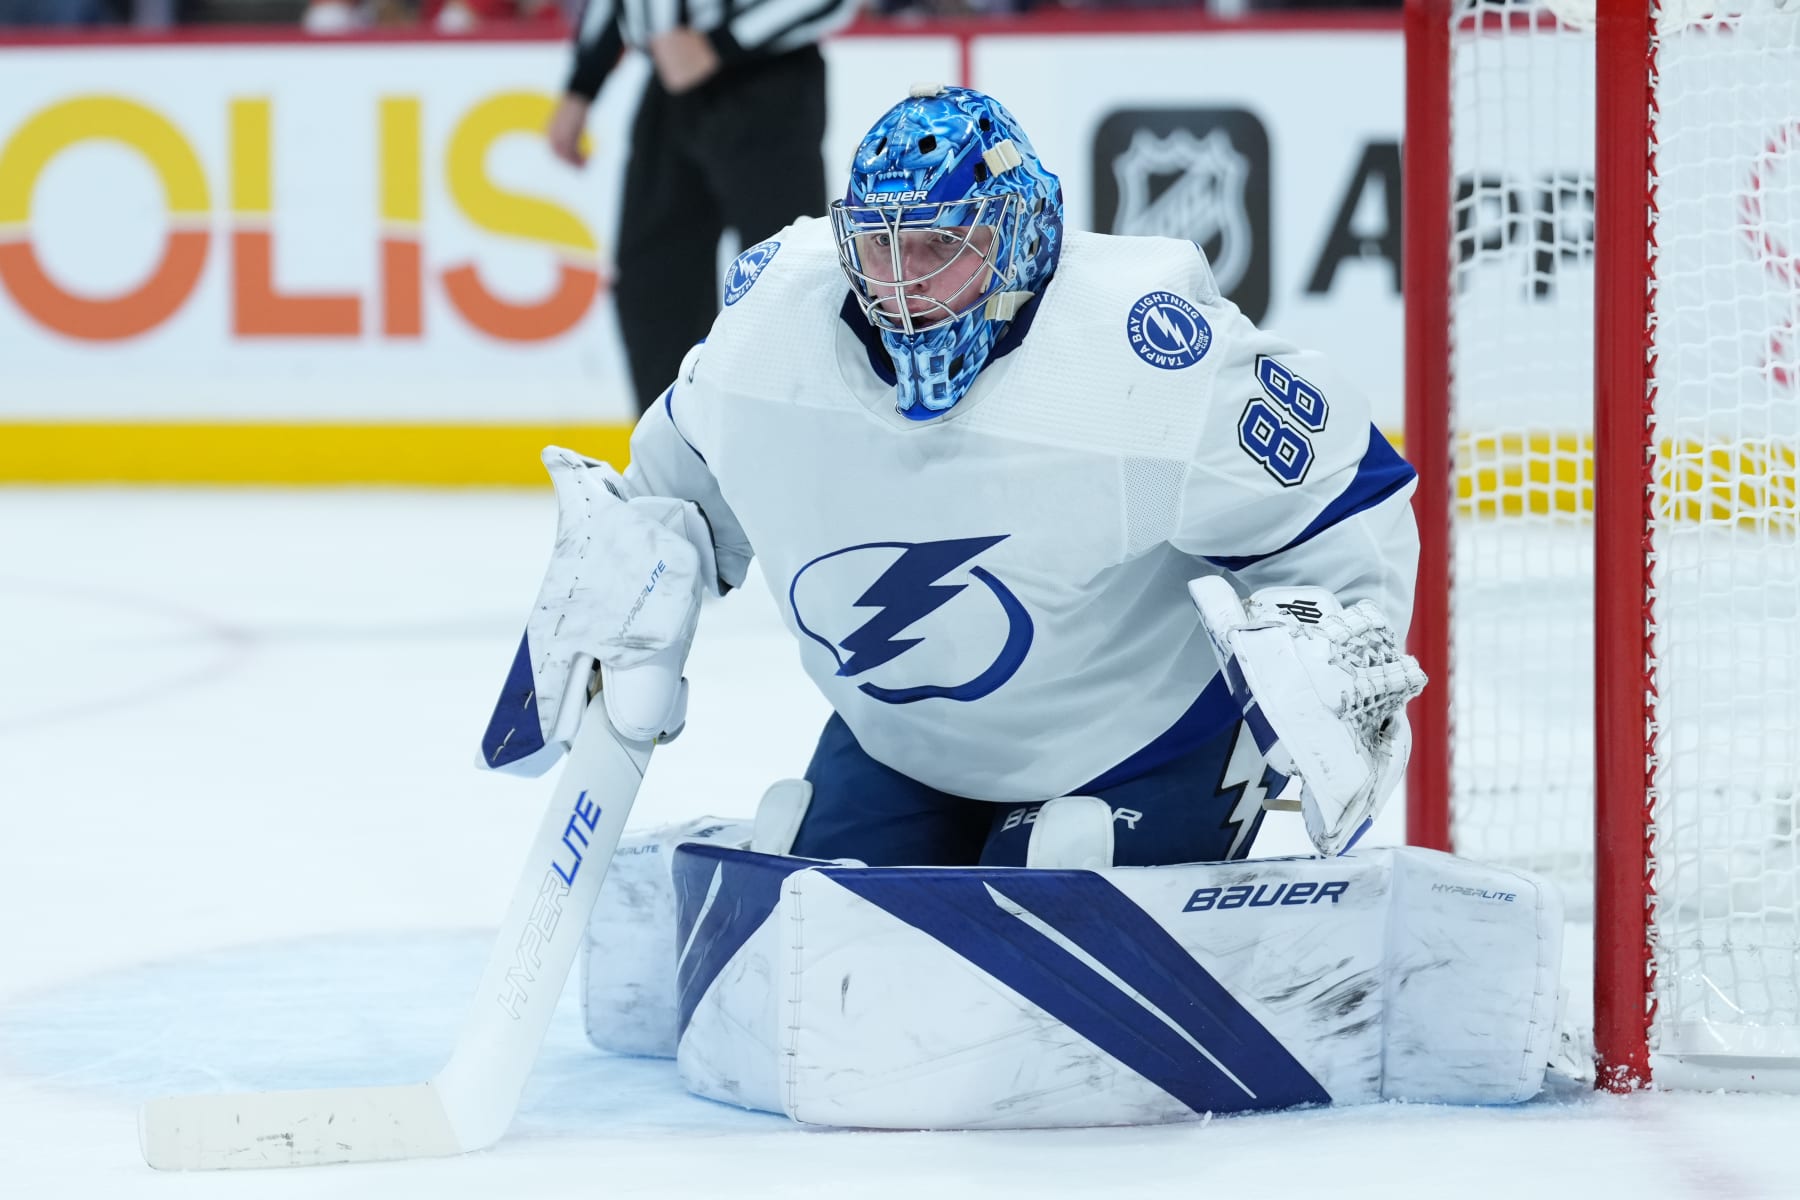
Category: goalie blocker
<point>953,998</point>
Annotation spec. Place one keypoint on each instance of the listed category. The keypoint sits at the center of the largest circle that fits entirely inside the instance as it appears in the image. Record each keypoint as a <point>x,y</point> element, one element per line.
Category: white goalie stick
<point>469,1103</point>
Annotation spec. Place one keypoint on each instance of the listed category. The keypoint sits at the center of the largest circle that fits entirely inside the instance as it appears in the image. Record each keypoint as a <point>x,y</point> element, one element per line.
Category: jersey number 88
<point>1267,429</point>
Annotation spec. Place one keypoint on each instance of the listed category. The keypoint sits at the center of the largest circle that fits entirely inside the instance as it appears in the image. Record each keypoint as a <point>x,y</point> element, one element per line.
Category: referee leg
<point>760,144</point>
<point>667,290</point>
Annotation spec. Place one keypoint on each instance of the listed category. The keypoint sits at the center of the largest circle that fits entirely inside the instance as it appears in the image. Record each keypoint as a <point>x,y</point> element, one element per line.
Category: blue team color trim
<point>746,269</point>
<point>955,908</point>
<point>668,399</point>
<point>749,889</point>
<point>1210,713</point>
<point>1232,672</point>
<point>514,731</point>
<point>851,314</point>
<point>1148,340</point>
<point>1381,473</point>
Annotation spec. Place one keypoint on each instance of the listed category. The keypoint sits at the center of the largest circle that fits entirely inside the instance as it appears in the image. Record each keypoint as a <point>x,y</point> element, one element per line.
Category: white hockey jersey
<point>994,599</point>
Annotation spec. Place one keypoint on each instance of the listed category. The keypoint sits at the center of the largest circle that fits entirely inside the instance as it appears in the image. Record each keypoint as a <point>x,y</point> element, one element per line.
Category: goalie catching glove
<point>623,589</point>
<point>1324,691</point>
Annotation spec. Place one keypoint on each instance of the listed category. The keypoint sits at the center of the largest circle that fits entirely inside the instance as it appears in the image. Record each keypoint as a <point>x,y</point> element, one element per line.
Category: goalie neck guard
<point>950,225</point>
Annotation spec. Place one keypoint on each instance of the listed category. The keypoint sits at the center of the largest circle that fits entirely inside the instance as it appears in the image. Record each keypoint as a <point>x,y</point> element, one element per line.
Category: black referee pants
<point>741,151</point>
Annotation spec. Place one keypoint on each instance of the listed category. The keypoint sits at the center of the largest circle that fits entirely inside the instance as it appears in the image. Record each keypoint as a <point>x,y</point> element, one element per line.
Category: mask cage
<point>857,225</point>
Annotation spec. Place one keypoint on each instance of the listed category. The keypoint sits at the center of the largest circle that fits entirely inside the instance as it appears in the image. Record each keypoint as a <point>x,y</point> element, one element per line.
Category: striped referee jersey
<point>737,29</point>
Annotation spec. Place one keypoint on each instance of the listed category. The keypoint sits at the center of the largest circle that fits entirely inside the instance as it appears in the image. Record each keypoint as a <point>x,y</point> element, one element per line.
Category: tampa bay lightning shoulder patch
<point>746,268</point>
<point>1167,331</point>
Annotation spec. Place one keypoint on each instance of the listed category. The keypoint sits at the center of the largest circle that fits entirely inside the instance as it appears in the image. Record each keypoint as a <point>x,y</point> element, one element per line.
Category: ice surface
<point>242,844</point>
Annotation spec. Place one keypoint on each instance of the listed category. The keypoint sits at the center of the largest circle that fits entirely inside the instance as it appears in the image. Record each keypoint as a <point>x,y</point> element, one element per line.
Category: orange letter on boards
<point>402,214</point>
<point>257,309</point>
<point>556,314</point>
<point>526,218</point>
<point>41,138</point>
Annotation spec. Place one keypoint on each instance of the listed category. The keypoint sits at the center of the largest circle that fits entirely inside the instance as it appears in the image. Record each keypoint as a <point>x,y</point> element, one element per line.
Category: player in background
<point>980,458</point>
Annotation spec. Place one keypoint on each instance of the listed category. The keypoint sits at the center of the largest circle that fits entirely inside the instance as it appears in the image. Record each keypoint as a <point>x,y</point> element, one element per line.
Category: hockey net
<point>1680,502</point>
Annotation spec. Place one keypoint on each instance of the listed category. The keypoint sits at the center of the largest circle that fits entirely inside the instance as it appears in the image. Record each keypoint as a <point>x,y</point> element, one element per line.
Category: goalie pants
<point>1193,808</point>
<point>741,151</point>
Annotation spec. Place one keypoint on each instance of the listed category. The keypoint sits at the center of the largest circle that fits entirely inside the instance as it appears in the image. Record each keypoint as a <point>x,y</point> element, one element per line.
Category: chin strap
<point>1004,306</point>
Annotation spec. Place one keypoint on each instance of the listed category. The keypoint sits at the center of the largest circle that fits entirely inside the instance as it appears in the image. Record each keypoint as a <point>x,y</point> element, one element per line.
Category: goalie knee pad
<point>778,816</point>
<point>628,953</point>
<point>1071,833</point>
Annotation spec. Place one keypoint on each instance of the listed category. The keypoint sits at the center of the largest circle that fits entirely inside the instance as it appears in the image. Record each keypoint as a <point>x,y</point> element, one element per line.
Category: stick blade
<point>296,1128</point>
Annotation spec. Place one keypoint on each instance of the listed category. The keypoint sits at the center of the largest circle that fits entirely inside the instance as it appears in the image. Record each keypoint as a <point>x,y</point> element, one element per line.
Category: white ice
<point>243,844</point>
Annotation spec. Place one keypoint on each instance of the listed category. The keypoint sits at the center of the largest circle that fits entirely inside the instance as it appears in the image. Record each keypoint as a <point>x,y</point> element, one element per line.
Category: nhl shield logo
<point>1198,174</point>
<point>1202,202</point>
<point>745,268</point>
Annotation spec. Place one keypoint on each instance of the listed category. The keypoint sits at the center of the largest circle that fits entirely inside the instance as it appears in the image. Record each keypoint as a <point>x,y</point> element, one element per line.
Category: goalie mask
<point>949,227</point>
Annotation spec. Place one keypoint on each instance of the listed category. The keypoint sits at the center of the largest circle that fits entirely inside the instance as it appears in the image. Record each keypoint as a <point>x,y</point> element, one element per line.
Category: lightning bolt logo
<point>1177,337</point>
<point>1243,779</point>
<point>904,594</point>
<point>1167,331</point>
<point>907,592</point>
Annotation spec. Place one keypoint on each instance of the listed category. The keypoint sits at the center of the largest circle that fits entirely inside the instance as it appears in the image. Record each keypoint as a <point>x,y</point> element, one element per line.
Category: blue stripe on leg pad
<point>1078,948</point>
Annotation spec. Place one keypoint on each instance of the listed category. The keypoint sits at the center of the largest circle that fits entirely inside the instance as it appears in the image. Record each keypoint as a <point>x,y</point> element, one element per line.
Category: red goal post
<point>1602,274</point>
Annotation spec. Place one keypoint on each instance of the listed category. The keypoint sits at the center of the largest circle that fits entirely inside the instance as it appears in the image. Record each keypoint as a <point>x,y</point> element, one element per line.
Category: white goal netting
<point>1724,336</point>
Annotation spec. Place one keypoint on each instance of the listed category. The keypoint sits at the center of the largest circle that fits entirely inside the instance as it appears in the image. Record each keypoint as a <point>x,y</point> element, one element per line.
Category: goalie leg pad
<point>778,815</point>
<point>627,967</point>
<point>955,998</point>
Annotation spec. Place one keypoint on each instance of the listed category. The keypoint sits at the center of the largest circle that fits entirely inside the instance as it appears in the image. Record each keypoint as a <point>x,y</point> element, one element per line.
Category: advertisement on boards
<point>296,235</point>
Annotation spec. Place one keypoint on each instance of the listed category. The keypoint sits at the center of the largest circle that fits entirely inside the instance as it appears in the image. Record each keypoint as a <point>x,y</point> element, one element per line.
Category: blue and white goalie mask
<point>949,227</point>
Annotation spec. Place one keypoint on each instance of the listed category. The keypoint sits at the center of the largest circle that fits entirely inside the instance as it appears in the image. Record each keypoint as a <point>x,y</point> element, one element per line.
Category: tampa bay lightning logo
<point>745,269</point>
<point>1168,332</point>
<point>956,615</point>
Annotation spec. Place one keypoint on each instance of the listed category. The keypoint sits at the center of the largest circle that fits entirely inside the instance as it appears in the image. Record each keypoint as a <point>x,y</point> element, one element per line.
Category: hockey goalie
<point>1094,574</point>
